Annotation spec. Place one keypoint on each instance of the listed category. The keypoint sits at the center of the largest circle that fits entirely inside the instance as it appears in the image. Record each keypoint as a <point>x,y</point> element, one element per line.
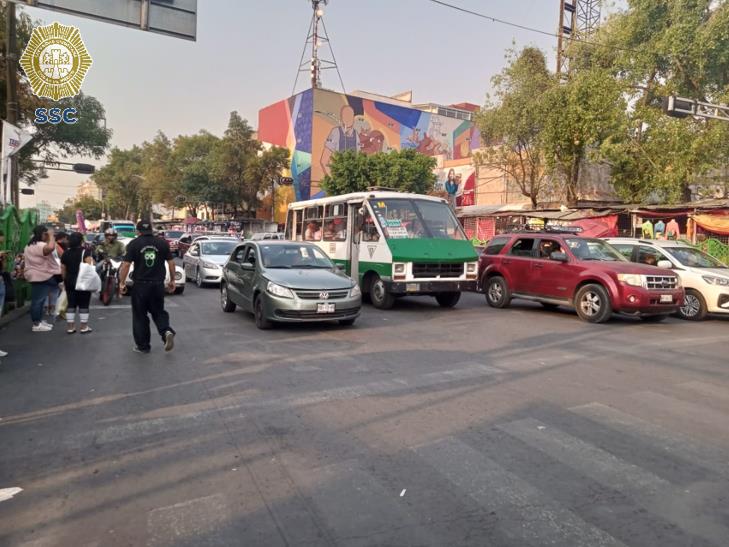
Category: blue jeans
<point>38,295</point>
<point>2,296</point>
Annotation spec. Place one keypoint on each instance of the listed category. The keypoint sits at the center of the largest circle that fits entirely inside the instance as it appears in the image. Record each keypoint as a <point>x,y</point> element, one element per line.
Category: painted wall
<point>317,123</point>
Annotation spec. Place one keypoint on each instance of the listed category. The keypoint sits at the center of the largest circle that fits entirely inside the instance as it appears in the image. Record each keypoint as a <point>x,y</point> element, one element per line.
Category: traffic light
<point>285,181</point>
<point>27,191</point>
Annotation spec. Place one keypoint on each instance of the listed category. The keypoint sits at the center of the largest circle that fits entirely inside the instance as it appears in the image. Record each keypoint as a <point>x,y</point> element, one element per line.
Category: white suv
<point>705,279</point>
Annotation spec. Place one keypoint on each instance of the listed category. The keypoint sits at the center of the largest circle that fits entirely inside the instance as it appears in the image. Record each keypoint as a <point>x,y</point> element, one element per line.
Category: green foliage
<point>404,171</point>
<point>121,183</point>
<point>90,206</point>
<point>512,125</point>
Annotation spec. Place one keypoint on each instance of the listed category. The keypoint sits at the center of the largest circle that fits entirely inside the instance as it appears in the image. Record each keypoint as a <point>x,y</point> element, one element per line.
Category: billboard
<point>317,123</point>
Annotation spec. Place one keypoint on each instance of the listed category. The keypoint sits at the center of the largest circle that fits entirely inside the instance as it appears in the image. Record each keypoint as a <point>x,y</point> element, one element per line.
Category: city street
<point>418,426</point>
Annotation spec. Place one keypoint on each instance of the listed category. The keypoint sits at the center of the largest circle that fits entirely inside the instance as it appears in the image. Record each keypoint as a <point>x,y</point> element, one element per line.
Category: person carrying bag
<point>81,280</point>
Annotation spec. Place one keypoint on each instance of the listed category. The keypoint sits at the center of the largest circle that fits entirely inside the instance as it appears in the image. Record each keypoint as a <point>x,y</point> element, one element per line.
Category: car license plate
<point>412,287</point>
<point>325,307</point>
<point>666,299</point>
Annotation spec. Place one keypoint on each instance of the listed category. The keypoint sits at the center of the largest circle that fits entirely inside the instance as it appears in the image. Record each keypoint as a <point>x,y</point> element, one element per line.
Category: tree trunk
<point>572,181</point>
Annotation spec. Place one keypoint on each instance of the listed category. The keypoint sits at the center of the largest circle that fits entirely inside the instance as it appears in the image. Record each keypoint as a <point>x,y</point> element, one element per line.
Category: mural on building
<point>317,123</point>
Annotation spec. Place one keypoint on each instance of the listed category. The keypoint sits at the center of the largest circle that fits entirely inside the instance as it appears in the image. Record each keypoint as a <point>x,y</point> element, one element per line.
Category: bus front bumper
<point>430,287</point>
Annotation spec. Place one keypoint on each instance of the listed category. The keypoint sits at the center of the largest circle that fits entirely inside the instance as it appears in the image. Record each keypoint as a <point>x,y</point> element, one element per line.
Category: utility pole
<point>11,92</point>
<point>578,20</point>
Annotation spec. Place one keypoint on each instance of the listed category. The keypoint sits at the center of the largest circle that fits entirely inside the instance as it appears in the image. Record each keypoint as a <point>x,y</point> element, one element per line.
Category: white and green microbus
<point>394,244</point>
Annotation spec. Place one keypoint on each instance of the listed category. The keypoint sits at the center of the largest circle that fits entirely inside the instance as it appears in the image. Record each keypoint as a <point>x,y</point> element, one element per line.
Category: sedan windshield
<point>694,258</point>
<point>218,248</point>
<point>594,249</point>
<point>416,219</point>
<point>295,257</point>
<point>174,234</point>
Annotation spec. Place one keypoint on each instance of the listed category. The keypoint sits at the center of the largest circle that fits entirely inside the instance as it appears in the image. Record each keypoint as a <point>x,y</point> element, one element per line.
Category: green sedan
<point>288,282</point>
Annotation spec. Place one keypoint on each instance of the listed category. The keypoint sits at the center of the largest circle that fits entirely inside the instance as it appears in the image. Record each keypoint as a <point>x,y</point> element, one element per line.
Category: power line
<point>524,27</point>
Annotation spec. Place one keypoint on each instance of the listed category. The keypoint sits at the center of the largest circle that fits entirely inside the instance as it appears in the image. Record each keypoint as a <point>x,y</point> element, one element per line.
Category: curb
<point>12,315</point>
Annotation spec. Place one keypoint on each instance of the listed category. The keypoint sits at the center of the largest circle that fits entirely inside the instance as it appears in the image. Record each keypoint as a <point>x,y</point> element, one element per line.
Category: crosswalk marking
<point>684,447</point>
<point>543,521</point>
<point>358,510</point>
<point>676,407</point>
<point>590,460</point>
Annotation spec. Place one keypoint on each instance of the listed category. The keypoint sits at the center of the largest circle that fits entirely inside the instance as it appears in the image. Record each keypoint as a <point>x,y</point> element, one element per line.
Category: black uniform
<point>149,254</point>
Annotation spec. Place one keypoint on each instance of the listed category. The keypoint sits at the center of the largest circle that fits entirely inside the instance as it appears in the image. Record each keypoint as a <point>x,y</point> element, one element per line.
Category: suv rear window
<point>495,246</point>
<point>522,247</point>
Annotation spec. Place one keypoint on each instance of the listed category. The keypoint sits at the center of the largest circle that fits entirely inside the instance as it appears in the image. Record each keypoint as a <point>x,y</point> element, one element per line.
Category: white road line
<point>594,462</point>
<point>9,493</point>
<point>182,523</point>
<point>542,520</point>
<point>708,457</point>
<point>683,409</point>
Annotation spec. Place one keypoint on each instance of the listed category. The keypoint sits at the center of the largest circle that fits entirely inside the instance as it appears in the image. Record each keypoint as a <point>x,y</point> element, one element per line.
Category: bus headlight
<point>471,270</point>
<point>399,270</point>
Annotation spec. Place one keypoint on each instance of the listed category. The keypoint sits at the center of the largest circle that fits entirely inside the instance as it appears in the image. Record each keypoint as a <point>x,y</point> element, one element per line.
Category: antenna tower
<point>578,20</point>
<point>317,38</point>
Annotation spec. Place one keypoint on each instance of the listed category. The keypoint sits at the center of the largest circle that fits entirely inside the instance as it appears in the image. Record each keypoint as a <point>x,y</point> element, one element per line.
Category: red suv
<point>564,269</point>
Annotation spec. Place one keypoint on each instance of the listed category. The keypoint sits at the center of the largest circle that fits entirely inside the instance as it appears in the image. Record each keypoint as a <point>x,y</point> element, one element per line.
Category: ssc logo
<point>56,61</point>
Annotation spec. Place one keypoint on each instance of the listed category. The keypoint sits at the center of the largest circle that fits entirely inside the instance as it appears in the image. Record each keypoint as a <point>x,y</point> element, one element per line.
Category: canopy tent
<point>718,224</point>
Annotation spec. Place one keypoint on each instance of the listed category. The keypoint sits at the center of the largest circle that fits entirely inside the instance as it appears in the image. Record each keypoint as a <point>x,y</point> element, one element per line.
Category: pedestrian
<point>41,269</point>
<point>61,246</point>
<point>149,254</point>
<point>70,266</point>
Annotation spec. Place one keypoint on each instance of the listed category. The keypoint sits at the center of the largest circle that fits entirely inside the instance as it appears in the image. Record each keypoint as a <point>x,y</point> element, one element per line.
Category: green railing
<point>17,227</point>
<point>717,249</point>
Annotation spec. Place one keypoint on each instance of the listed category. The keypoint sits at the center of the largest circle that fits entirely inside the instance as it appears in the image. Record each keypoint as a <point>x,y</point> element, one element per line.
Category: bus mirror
<point>361,211</point>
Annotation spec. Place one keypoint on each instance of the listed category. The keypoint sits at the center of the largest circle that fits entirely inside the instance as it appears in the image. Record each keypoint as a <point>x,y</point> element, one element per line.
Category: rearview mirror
<point>665,264</point>
<point>559,257</point>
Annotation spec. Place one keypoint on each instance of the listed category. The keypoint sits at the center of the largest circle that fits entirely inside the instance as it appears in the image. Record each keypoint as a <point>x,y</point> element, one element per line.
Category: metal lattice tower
<point>578,20</point>
<point>315,40</point>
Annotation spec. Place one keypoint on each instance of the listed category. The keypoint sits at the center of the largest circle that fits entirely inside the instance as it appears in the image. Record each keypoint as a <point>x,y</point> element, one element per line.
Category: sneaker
<point>40,327</point>
<point>169,340</point>
<point>135,349</point>
<point>3,353</point>
<point>46,324</point>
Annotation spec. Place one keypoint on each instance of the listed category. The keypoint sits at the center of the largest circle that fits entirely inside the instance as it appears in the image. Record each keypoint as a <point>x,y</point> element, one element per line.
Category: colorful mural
<point>459,176</point>
<point>317,123</point>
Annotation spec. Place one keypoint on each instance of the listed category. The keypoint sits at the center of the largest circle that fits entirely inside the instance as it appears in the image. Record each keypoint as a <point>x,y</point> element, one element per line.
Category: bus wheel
<point>380,296</point>
<point>448,299</point>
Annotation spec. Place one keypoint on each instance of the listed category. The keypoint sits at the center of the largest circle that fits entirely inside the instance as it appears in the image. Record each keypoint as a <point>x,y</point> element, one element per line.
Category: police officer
<point>149,254</point>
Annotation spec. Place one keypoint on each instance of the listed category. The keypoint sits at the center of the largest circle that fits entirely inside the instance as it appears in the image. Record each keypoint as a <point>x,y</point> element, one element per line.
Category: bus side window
<point>369,229</point>
<point>300,225</point>
<point>335,222</point>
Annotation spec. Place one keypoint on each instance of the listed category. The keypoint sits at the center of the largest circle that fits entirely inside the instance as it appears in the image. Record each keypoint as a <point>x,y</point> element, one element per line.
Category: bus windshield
<point>404,218</point>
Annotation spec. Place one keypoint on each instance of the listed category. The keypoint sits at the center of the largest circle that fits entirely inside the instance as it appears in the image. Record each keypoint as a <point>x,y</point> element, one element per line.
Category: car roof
<point>279,242</point>
<point>654,242</point>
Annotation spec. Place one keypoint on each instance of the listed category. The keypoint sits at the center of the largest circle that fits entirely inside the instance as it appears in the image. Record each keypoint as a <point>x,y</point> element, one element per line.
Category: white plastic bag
<point>88,279</point>
<point>62,305</point>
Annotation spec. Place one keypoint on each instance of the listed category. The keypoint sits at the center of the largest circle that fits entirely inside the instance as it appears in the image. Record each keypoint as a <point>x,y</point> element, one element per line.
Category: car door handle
<point>537,265</point>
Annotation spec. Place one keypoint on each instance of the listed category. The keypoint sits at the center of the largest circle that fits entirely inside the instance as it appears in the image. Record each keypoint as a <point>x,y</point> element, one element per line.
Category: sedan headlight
<point>278,290</point>
<point>210,265</point>
<point>355,292</point>
<point>634,280</point>
<point>713,280</point>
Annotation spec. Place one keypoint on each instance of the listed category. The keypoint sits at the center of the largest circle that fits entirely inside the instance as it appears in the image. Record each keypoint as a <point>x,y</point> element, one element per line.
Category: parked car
<point>173,237</point>
<point>280,281</point>
<point>262,236</point>
<point>704,278</point>
<point>586,274</point>
<point>205,259</point>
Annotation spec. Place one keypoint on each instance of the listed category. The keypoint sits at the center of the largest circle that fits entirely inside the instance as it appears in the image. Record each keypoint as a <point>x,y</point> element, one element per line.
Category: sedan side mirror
<point>665,264</point>
<point>339,267</point>
<point>559,257</point>
<point>247,265</point>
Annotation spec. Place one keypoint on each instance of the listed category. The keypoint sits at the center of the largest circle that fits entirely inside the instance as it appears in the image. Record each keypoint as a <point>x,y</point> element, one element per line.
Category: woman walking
<point>41,267</point>
<point>70,266</point>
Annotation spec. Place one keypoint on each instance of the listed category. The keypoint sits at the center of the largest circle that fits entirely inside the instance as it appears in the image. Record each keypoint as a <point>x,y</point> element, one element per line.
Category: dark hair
<point>38,233</point>
<point>75,240</point>
<point>61,235</point>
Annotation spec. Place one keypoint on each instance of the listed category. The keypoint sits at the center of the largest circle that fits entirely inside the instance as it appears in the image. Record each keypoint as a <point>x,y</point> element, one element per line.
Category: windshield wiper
<point>313,267</point>
<point>281,267</point>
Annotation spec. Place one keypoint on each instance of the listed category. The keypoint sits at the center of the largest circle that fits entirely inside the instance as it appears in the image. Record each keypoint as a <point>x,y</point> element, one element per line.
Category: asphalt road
<point>419,426</point>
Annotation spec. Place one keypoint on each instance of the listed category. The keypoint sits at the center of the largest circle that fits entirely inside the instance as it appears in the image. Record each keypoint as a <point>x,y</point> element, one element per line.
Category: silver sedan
<point>205,259</point>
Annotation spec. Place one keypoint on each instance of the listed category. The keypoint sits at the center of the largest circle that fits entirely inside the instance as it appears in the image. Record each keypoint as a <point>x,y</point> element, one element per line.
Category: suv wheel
<point>694,306</point>
<point>497,292</point>
<point>593,303</point>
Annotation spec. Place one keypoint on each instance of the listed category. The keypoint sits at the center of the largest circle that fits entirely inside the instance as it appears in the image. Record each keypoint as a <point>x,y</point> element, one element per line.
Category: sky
<point>247,53</point>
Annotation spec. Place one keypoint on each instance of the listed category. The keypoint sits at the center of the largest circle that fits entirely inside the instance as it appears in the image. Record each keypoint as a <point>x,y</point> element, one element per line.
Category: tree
<point>121,182</point>
<point>90,206</point>
<point>579,116</point>
<point>512,126</point>
<point>657,48</point>
<point>193,175</point>
<point>263,171</point>
<point>404,171</point>
<point>88,137</point>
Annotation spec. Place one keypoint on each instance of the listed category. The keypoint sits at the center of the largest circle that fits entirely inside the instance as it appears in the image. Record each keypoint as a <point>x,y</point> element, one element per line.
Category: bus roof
<point>374,194</point>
